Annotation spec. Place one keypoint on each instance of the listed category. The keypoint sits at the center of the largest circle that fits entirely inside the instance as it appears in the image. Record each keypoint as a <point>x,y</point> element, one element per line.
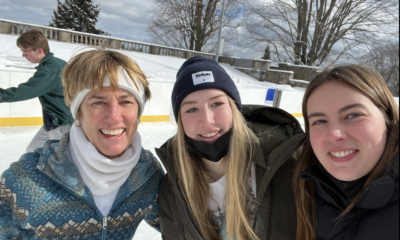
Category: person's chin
<point>113,150</point>
<point>113,153</point>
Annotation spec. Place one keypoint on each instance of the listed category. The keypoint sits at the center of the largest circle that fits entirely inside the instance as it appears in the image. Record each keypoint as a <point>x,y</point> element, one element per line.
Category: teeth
<point>209,134</point>
<point>112,132</point>
<point>342,153</point>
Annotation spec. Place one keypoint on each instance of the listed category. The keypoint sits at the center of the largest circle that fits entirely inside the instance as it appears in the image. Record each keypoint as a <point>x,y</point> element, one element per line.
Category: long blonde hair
<point>194,182</point>
<point>371,84</point>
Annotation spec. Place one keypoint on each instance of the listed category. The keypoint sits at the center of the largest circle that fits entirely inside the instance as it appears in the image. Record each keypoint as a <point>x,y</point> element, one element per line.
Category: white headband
<point>124,82</point>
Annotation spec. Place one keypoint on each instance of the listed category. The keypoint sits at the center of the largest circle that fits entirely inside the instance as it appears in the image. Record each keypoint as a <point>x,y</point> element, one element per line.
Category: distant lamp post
<point>219,32</point>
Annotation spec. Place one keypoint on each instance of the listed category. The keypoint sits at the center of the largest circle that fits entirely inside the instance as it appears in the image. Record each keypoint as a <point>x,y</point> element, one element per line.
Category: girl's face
<point>206,115</point>
<point>347,131</point>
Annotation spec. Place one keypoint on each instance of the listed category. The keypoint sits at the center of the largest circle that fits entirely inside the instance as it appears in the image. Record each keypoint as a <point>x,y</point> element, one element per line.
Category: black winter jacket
<point>280,139</point>
<point>375,217</point>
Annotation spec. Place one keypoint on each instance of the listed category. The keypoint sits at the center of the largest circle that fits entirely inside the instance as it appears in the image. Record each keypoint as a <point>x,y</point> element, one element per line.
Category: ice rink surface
<point>13,141</point>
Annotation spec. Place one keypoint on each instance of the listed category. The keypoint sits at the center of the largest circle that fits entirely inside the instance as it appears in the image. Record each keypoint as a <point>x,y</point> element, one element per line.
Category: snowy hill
<point>157,68</point>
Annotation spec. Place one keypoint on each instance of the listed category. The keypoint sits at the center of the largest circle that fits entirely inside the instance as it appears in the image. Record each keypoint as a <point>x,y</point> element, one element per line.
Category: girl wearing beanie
<point>229,167</point>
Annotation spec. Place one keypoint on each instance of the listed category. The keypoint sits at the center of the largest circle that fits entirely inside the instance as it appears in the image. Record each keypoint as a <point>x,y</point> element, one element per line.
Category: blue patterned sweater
<point>42,196</point>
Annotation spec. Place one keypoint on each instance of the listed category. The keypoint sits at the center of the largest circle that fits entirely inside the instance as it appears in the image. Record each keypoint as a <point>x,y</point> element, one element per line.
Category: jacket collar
<point>378,194</point>
<point>54,162</point>
<point>277,130</point>
<point>164,153</point>
<point>45,59</point>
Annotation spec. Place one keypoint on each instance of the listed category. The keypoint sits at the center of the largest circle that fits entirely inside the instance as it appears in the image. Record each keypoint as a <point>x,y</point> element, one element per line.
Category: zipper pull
<point>104,222</point>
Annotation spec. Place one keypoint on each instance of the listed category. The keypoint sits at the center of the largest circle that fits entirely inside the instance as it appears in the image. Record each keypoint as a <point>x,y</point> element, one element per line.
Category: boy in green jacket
<point>45,84</point>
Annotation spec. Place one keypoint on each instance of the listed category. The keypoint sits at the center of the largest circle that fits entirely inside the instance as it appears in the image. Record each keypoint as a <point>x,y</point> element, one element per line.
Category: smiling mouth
<point>113,133</point>
<point>210,135</point>
<point>343,153</point>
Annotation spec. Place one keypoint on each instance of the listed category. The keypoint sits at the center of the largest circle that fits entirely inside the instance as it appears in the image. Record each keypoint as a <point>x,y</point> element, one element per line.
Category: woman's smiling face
<point>206,115</point>
<point>109,120</point>
<point>347,131</point>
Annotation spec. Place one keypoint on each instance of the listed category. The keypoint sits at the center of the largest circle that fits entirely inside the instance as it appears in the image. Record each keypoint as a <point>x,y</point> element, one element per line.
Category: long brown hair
<point>194,182</point>
<point>371,84</point>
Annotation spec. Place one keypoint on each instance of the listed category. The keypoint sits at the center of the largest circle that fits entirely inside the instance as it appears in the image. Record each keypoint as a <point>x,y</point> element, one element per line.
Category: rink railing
<point>158,109</point>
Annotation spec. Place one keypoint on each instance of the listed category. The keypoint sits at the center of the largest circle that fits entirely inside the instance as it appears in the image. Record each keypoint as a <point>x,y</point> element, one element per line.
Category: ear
<point>40,50</point>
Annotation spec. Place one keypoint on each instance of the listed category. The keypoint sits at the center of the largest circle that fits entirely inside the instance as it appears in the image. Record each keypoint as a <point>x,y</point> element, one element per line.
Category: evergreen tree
<point>267,54</point>
<point>77,15</point>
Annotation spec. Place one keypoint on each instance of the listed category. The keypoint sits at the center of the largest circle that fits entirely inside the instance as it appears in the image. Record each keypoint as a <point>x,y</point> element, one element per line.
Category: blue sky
<point>122,18</point>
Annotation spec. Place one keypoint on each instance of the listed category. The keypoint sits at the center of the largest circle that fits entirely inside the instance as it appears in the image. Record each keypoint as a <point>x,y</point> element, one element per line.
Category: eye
<point>99,103</point>
<point>318,122</point>
<point>126,102</point>
<point>353,115</point>
<point>217,104</point>
<point>191,110</point>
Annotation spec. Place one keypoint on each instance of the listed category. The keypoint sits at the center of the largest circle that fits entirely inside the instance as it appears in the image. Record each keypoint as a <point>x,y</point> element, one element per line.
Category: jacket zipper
<point>104,230</point>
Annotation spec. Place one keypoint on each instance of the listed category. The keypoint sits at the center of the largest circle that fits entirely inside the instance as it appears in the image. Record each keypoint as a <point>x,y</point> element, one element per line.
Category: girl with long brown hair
<point>346,182</point>
<point>229,167</point>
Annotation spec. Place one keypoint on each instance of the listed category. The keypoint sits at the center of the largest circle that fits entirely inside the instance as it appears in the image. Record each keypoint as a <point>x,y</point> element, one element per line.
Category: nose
<point>115,112</point>
<point>336,132</point>
<point>207,117</point>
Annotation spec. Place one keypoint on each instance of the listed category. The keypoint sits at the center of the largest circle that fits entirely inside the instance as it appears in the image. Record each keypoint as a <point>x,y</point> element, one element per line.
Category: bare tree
<point>385,59</point>
<point>189,24</point>
<point>307,31</point>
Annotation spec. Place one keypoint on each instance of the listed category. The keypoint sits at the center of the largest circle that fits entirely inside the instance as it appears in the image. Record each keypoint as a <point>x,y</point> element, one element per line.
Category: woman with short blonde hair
<point>97,182</point>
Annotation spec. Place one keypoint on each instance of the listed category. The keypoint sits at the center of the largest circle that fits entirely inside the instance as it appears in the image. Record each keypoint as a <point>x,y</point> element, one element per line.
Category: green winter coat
<point>280,138</point>
<point>45,84</point>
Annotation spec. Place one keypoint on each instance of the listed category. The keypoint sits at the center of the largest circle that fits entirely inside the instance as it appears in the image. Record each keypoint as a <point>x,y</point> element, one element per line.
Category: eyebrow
<point>103,97</point>
<point>343,109</point>
<point>193,102</point>
<point>97,97</point>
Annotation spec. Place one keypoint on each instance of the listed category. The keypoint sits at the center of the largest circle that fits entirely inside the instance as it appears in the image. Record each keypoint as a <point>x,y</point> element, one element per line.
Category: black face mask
<point>212,152</point>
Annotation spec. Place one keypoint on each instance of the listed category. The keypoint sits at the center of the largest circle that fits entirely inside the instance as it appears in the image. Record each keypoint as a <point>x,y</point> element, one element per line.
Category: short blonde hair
<point>88,69</point>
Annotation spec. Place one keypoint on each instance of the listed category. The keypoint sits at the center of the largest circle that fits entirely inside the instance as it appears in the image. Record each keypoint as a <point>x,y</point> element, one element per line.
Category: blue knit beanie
<point>199,73</point>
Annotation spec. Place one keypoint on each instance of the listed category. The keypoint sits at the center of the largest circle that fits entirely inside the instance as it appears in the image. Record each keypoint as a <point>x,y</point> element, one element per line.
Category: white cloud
<point>5,8</point>
<point>36,3</point>
<point>37,10</point>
